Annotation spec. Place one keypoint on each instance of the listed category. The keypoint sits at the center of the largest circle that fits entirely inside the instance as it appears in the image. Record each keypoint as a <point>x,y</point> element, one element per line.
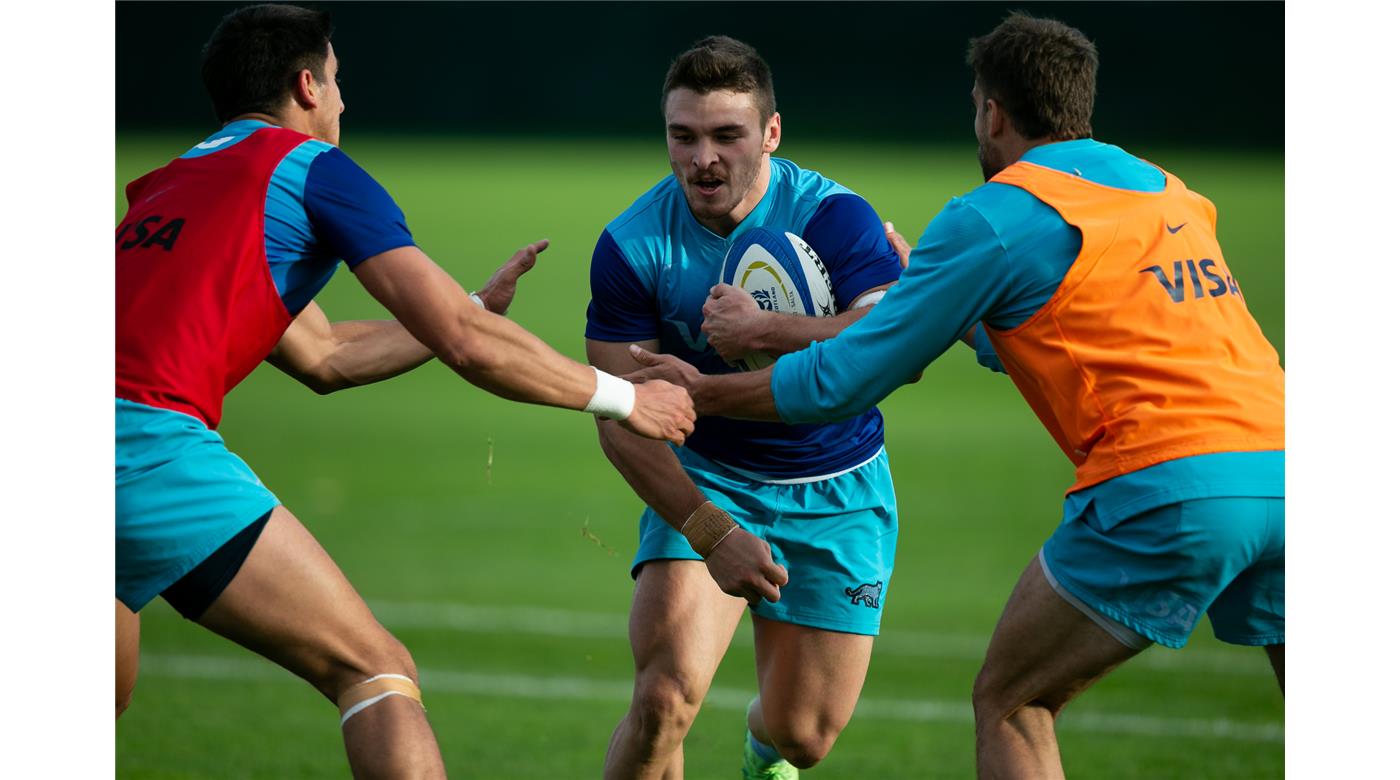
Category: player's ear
<point>997,120</point>
<point>773,133</point>
<point>307,90</point>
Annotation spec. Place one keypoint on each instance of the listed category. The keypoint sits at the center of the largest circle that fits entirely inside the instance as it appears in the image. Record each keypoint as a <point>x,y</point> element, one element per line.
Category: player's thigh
<point>1249,610</point>
<point>291,603</point>
<point>128,631</point>
<point>837,538</point>
<point>681,622</point>
<point>809,679</point>
<point>1044,650</point>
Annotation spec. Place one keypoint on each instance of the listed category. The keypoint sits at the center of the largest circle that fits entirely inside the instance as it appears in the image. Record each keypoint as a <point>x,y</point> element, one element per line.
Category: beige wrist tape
<point>373,691</point>
<point>706,528</point>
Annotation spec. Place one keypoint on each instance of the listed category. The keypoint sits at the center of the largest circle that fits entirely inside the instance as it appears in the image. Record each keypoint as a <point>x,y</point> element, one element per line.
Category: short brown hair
<point>722,63</point>
<point>1042,72</point>
<point>251,61</point>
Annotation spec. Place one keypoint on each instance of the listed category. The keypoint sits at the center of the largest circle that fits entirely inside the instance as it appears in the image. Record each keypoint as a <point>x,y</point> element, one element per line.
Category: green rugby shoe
<point>756,768</point>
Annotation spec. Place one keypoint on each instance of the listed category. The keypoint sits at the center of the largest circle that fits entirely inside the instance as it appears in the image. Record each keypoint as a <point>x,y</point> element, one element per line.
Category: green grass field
<point>494,538</point>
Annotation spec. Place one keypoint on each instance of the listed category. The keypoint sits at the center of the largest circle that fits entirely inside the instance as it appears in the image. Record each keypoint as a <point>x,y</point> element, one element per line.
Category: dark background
<point>1207,74</point>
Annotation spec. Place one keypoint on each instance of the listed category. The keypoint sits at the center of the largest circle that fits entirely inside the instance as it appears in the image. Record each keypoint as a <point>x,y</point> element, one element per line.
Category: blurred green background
<point>494,538</point>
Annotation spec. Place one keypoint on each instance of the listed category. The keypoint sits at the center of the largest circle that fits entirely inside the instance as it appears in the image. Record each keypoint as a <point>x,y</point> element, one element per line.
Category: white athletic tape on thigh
<point>376,689</point>
<point>613,398</point>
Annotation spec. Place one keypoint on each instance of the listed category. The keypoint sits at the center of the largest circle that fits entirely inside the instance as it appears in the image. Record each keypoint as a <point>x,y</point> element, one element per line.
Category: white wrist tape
<point>613,398</point>
<point>476,299</point>
<point>869,299</point>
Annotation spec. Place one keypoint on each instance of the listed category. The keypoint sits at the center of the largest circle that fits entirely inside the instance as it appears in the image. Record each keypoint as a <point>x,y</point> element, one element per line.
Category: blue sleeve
<point>986,353</point>
<point>350,213</point>
<point>850,239</point>
<point>622,308</point>
<point>957,275</point>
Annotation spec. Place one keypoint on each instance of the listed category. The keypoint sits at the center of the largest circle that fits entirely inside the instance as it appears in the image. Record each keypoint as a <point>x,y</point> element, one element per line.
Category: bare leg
<point>809,681</point>
<point>290,603</point>
<point>128,654</point>
<point>1043,653</point>
<point>680,627</point>
<point>1276,660</point>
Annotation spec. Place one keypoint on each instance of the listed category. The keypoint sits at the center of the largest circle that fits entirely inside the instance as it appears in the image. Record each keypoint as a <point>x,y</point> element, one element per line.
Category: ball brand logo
<point>1176,287</point>
<point>764,299</point>
<point>778,287</point>
<point>145,234</point>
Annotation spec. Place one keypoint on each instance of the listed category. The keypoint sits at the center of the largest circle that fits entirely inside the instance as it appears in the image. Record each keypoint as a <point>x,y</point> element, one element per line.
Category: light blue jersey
<point>653,269</point>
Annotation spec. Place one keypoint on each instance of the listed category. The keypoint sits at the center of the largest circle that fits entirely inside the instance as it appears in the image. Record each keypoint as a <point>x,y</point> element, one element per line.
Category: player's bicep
<point>350,212</point>
<point>615,357</point>
<point>304,346</point>
<point>623,305</point>
<point>848,235</point>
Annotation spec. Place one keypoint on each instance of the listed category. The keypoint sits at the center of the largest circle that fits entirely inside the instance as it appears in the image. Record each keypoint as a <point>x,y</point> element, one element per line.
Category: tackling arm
<point>327,356</point>
<point>743,565</point>
<point>736,326</point>
<point>498,355</point>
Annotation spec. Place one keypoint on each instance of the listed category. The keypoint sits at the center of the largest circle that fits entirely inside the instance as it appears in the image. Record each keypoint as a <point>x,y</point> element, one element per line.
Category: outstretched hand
<point>733,321</point>
<point>742,565</point>
<point>667,367</point>
<point>901,247</point>
<point>661,411</point>
<point>499,290</point>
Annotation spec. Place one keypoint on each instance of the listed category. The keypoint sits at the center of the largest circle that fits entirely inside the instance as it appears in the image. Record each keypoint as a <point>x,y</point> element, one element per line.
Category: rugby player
<point>1095,280</point>
<point>217,261</point>
<point>793,519</point>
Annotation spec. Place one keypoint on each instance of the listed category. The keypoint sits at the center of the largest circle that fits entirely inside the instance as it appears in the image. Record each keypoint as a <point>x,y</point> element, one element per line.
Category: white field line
<point>519,686</point>
<point>478,619</point>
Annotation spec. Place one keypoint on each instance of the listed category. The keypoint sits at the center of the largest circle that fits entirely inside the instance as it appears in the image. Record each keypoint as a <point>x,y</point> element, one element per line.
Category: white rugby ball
<point>783,274</point>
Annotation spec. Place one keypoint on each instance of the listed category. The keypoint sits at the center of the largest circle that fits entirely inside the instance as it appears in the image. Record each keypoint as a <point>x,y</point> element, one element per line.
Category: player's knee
<point>994,699</point>
<point>990,696</point>
<point>804,748</point>
<point>380,653</point>
<point>666,703</point>
<point>124,697</point>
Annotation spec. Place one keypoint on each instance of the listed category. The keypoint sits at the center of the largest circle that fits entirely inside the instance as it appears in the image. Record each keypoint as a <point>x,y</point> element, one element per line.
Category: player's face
<point>326,117</point>
<point>988,156</point>
<point>719,149</point>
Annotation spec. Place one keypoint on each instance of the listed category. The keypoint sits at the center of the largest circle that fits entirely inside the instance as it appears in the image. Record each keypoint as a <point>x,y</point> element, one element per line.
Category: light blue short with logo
<point>1159,571</point>
<point>835,536</point>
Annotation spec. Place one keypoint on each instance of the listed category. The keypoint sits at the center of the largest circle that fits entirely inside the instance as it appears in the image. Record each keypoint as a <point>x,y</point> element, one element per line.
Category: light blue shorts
<point>836,537</point>
<point>1157,572</point>
<point>180,496</point>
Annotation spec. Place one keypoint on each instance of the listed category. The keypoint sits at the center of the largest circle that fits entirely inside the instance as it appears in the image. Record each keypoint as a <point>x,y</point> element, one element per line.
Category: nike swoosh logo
<point>217,142</point>
<point>1173,230</point>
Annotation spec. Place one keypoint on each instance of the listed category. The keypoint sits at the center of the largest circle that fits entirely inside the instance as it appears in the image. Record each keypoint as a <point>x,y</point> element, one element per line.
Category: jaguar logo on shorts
<point>866,594</point>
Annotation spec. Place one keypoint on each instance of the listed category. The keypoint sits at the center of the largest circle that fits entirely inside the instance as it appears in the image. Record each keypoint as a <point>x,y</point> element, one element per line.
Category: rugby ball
<point>783,274</point>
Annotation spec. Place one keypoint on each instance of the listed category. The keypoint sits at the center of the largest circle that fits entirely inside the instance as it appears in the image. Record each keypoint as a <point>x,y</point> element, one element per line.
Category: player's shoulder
<point>800,194</point>
<point>803,184</point>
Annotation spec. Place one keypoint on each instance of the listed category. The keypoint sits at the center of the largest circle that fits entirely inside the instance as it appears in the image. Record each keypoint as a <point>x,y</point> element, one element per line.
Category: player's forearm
<point>487,350</point>
<point>653,471</point>
<point>746,395</point>
<point>784,333</point>
<point>368,351</point>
